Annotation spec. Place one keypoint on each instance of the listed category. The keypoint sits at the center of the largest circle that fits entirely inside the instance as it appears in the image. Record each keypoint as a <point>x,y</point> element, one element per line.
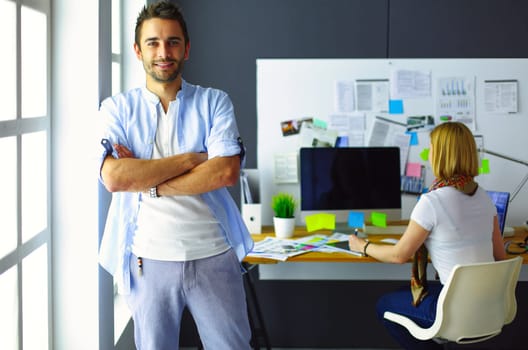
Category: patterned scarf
<point>419,288</point>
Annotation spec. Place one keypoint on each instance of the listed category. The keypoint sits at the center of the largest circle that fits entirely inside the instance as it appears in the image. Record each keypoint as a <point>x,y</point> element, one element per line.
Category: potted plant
<point>283,205</point>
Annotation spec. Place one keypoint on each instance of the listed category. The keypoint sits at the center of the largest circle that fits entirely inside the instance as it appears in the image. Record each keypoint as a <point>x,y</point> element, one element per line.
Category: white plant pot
<point>284,227</point>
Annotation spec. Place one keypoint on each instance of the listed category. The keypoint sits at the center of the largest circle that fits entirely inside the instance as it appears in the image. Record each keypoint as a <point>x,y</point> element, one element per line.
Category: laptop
<point>501,201</point>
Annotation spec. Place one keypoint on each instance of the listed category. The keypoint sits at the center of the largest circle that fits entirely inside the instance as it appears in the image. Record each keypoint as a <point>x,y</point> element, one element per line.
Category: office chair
<point>474,304</point>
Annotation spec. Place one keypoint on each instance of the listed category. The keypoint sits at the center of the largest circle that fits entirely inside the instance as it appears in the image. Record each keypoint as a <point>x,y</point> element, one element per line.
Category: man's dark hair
<point>161,9</point>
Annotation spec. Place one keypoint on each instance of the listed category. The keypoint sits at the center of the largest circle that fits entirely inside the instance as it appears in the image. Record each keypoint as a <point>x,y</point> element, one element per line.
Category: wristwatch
<point>154,192</point>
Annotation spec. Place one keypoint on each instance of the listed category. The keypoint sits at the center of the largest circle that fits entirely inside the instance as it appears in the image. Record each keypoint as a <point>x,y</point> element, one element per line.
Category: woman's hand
<point>356,243</point>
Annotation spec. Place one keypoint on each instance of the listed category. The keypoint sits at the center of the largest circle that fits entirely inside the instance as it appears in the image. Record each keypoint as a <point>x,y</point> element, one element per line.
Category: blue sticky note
<point>395,106</point>
<point>356,219</point>
<point>342,141</point>
<point>414,138</point>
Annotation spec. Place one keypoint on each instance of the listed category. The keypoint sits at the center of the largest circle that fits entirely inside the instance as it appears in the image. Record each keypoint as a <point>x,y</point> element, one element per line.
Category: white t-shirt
<point>175,228</point>
<point>460,226</point>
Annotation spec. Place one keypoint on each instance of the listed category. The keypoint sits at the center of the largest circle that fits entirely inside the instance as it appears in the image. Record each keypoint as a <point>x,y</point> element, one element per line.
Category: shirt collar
<point>153,98</point>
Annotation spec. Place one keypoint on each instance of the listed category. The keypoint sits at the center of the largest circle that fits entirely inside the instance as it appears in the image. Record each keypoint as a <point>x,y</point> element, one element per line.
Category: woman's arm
<point>399,253</point>
<point>499,253</point>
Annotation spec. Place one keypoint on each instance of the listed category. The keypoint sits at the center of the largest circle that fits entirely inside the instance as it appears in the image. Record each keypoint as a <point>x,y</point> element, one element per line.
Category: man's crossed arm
<point>182,174</point>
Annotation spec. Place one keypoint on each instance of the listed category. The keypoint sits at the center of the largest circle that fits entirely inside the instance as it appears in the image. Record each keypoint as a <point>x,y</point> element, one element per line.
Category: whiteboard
<point>290,89</point>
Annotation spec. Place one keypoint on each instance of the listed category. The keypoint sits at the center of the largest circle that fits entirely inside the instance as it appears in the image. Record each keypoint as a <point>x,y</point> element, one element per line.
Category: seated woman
<point>456,222</point>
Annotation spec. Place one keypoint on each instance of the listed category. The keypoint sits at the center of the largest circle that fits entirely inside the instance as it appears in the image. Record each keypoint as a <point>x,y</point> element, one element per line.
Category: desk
<point>267,231</point>
<point>288,290</point>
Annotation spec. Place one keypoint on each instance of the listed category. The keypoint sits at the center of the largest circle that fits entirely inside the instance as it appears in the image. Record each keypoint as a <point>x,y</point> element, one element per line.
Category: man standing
<point>174,237</point>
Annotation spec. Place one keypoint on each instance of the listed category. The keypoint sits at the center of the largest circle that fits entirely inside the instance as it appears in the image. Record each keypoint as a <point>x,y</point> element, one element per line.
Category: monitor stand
<point>342,227</point>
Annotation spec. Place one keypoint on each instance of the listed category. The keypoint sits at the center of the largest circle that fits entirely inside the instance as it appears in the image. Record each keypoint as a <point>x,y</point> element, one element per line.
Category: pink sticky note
<point>413,169</point>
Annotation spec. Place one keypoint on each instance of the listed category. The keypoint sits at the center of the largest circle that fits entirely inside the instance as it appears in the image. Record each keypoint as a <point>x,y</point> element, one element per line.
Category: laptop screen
<point>501,201</point>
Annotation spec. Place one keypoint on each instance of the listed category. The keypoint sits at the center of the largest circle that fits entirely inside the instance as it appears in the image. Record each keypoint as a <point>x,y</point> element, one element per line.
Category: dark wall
<point>458,29</point>
<point>227,36</point>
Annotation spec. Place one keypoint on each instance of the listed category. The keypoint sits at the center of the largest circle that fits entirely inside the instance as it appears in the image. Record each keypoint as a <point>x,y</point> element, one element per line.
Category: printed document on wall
<point>455,100</point>
<point>501,96</point>
<point>344,96</point>
<point>351,126</point>
<point>386,133</point>
<point>372,95</point>
<point>406,83</point>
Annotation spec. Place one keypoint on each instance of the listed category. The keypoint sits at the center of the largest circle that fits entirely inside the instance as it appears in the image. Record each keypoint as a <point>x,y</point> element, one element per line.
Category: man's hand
<point>123,152</point>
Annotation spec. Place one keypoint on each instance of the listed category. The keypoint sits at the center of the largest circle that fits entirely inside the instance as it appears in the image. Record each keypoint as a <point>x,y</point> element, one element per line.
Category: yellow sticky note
<point>484,169</point>
<point>378,219</point>
<point>320,221</point>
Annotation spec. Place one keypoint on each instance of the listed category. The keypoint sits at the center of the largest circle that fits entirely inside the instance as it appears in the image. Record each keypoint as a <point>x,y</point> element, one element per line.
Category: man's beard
<point>164,77</point>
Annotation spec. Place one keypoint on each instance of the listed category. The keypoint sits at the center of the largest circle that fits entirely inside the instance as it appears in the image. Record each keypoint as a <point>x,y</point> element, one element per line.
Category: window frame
<point>17,128</point>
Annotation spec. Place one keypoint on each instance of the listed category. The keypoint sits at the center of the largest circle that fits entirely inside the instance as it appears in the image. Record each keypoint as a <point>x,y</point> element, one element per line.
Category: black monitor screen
<point>350,178</point>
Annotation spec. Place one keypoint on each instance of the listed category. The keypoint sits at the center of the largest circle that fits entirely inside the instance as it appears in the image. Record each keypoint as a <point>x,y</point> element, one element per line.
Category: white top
<point>460,226</point>
<point>175,228</point>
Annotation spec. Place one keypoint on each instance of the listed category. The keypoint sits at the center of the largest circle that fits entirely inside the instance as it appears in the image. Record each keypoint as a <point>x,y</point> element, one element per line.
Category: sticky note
<point>413,169</point>
<point>424,154</point>
<point>319,123</point>
<point>395,106</point>
<point>356,219</point>
<point>414,138</point>
<point>320,222</point>
<point>378,219</point>
<point>484,169</point>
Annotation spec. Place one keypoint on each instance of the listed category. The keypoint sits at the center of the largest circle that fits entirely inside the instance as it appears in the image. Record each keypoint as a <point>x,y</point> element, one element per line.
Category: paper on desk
<point>282,249</point>
<point>331,249</point>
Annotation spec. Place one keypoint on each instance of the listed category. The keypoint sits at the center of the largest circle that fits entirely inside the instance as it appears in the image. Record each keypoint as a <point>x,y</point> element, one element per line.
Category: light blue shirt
<point>205,123</point>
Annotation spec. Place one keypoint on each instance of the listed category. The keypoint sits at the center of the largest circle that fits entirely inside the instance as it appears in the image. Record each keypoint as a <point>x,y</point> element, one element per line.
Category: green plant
<point>283,205</point>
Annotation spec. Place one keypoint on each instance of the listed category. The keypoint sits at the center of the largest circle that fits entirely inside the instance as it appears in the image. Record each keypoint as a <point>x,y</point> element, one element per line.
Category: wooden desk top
<point>267,231</point>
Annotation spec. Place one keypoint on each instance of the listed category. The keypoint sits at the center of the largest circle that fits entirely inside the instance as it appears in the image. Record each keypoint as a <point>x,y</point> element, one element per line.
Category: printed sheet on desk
<point>282,249</point>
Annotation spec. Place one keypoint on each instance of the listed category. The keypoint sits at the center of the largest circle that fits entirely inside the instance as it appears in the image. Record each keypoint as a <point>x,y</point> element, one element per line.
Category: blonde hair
<point>454,151</point>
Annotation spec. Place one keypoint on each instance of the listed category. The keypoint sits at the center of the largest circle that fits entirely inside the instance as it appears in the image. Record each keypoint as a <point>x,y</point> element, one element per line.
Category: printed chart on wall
<point>381,102</point>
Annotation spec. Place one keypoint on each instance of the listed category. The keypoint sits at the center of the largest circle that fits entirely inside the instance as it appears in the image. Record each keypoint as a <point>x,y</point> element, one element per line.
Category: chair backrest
<point>478,300</point>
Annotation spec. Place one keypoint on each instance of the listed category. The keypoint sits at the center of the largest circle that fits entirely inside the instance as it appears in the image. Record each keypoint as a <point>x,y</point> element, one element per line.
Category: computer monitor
<point>340,180</point>
<point>501,201</point>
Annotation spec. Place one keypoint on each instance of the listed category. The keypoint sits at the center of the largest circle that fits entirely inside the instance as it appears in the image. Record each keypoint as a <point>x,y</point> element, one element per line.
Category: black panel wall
<point>458,28</point>
<point>227,36</point>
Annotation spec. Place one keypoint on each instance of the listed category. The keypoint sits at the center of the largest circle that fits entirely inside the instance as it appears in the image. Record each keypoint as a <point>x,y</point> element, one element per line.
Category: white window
<point>25,242</point>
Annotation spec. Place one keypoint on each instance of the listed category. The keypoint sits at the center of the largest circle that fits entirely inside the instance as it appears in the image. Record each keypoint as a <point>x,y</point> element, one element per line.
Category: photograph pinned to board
<point>420,123</point>
<point>293,126</point>
<point>314,136</point>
